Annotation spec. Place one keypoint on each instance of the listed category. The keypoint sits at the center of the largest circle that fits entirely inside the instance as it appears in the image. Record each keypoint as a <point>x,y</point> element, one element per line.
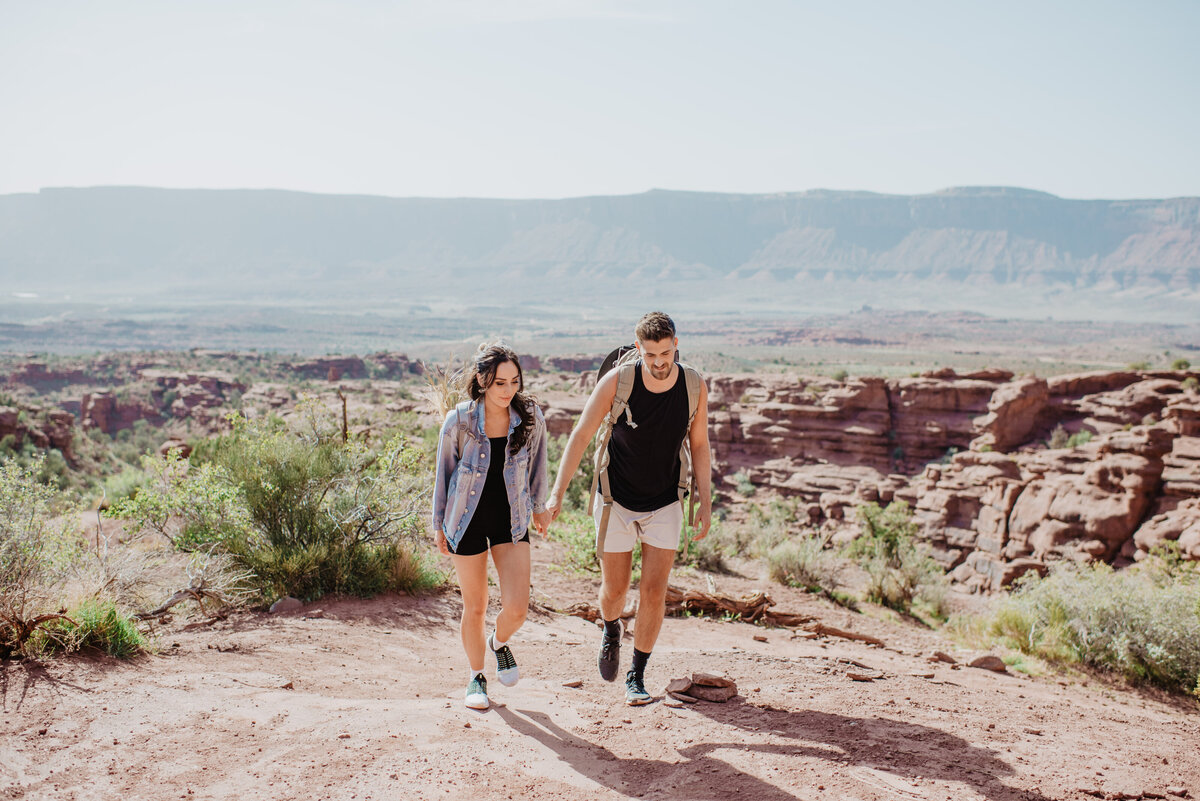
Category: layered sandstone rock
<point>110,412</point>
<point>44,428</point>
<point>43,378</point>
<point>1007,505</point>
<point>331,368</point>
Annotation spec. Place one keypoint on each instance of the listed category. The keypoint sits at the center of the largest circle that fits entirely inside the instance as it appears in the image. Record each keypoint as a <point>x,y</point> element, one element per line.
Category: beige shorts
<point>660,528</point>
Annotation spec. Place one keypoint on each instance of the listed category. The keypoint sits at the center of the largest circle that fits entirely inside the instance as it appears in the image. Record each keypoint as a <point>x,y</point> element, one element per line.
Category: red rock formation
<point>572,364</point>
<point>992,516</point>
<point>347,366</point>
<point>110,413</point>
<point>43,428</point>
<point>37,375</point>
<point>390,365</point>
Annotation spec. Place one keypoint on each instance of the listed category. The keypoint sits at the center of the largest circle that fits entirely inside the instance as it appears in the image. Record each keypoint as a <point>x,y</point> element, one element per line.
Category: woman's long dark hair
<point>489,357</point>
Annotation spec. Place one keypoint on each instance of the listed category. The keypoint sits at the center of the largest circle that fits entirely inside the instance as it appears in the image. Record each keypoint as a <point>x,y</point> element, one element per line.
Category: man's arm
<point>702,464</point>
<point>594,411</point>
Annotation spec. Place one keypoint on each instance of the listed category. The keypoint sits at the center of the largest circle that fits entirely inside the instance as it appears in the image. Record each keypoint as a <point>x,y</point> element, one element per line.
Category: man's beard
<point>661,374</point>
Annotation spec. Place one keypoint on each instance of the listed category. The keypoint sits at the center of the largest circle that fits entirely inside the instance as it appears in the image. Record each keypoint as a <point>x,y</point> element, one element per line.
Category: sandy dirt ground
<point>352,699</point>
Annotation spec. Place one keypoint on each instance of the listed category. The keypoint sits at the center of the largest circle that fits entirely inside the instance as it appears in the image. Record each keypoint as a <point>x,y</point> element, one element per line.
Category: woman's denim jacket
<point>461,476</point>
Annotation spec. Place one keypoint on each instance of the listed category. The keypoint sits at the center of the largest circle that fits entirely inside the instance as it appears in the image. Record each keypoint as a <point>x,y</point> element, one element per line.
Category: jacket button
<point>472,492</point>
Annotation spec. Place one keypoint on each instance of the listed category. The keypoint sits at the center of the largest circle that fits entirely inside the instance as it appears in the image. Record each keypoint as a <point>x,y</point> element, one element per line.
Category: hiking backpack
<point>624,359</point>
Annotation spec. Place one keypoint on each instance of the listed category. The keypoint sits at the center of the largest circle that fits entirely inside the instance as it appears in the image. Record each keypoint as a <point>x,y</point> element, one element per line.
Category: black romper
<point>491,524</point>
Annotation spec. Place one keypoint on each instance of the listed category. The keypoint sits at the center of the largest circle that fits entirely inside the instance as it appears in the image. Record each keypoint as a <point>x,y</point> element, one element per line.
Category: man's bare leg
<point>614,586</point>
<point>652,595</point>
<point>614,583</point>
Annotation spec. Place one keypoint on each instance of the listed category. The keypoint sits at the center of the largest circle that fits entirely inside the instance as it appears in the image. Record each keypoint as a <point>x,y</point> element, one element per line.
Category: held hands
<point>702,522</point>
<point>440,538</point>
<point>542,520</point>
<point>554,505</point>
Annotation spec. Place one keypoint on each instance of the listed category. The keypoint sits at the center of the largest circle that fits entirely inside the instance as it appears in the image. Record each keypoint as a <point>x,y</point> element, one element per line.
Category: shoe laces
<point>505,659</point>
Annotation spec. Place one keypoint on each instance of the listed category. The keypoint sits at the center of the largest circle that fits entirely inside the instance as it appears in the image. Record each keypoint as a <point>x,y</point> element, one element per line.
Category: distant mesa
<point>224,241</point>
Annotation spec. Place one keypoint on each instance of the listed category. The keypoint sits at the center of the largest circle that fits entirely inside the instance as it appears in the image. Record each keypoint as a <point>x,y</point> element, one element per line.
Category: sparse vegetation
<point>1142,623</point>
<point>804,561</point>
<point>1058,438</point>
<point>743,483</point>
<point>1180,364</point>
<point>304,512</point>
<point>36,556</point>
<point>94,625</point>
<point>899,570</point>
<point>1079,438</point>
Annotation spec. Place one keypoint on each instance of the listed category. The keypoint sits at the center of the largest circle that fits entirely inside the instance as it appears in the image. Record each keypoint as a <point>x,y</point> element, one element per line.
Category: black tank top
<point>644,462</point>
<point>493,516</point>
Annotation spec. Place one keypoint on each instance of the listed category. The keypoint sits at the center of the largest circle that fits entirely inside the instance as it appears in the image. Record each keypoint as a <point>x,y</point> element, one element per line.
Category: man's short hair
<point>654,327</point>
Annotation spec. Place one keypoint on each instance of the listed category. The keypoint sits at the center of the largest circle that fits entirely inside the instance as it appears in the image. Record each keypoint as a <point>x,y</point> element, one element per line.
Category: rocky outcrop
<point>41,377</point>
<point>572,364</point>
<point>1013,413</point>
<point>328,368</point>
<point>991,516</point>
<point>392,366</point>
<point>111,412</point>
<point>993,500</point>
<point>43,428</point>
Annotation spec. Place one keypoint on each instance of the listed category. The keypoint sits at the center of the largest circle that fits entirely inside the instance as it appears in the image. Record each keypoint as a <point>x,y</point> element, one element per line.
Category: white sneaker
<point>506,663</point>
<point>477,693</point>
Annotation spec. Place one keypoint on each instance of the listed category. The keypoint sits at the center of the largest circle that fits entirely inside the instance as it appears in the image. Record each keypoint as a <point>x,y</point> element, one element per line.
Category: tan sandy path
<point>375,712</point>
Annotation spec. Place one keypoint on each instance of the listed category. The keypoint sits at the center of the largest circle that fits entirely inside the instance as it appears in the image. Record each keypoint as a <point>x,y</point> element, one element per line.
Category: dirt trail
<point>364,702</point>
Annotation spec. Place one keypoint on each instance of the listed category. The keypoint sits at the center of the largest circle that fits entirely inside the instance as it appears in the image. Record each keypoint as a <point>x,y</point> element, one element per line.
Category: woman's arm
<point>447,460</point>
<point>539,462</point>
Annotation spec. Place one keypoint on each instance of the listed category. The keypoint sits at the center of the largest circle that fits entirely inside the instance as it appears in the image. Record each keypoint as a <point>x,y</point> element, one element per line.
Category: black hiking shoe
<point>610,655</point>
<point>506,663</point>
<point>635,690</point>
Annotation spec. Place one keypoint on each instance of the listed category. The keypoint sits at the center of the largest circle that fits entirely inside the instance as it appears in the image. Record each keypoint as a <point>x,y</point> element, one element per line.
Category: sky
<point>564,98</point>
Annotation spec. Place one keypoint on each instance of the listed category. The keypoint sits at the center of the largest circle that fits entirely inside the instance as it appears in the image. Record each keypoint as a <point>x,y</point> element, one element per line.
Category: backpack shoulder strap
<point>694,381</point>
<point>625,377</point>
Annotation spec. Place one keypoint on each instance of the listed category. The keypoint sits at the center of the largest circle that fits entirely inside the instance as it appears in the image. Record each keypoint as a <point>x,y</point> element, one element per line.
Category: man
<point>644,473</point>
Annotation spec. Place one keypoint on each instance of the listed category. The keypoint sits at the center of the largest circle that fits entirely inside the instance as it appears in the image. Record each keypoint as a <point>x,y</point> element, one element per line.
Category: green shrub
<point>97,625</point>
<point>125,484</point>
<point>803,561</point>
<point>576,531</point>
<point>1180,364</point>
<point>710,553</point>
<point>899,571</point>
<point>1079,438</point>
<point>1058,438</point>
<point>192,507</point>
<point>1139,365</point>
<point>304,512</point>
<point>36,556</point>
<point>1141,623</point>
<point>326,515</point>
<point>1190,384</point>
<point>841,375</point>
<point>576,496</point>
<point>743,483</point>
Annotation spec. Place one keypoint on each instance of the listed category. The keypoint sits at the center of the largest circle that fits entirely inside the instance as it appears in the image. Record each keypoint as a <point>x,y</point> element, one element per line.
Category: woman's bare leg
<point>472,580</point>
<point>512,565</point>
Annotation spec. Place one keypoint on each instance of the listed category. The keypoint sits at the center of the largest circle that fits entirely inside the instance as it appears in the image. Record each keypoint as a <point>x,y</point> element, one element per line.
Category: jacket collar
<point>514,420</point>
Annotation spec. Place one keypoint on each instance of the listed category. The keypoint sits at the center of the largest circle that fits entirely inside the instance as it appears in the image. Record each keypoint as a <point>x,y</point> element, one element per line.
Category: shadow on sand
<point>875,746</point>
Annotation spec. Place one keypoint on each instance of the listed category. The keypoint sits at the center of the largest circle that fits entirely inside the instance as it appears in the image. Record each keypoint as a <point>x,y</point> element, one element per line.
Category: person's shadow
<point>903,749</point>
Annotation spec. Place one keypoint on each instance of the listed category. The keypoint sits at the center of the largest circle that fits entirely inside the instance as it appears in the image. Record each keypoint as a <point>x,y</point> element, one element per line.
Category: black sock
<point>639,661</point>
<point>612,628</point>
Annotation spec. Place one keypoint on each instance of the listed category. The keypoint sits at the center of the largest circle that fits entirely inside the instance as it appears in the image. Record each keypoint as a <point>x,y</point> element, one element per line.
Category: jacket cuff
<point>538,508</point>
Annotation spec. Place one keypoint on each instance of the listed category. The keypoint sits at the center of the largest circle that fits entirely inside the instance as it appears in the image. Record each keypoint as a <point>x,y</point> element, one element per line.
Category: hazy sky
<point>554,98</point>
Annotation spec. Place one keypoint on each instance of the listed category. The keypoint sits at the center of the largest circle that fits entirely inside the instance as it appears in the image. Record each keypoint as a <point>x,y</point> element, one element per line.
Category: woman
<point>490,484</point>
